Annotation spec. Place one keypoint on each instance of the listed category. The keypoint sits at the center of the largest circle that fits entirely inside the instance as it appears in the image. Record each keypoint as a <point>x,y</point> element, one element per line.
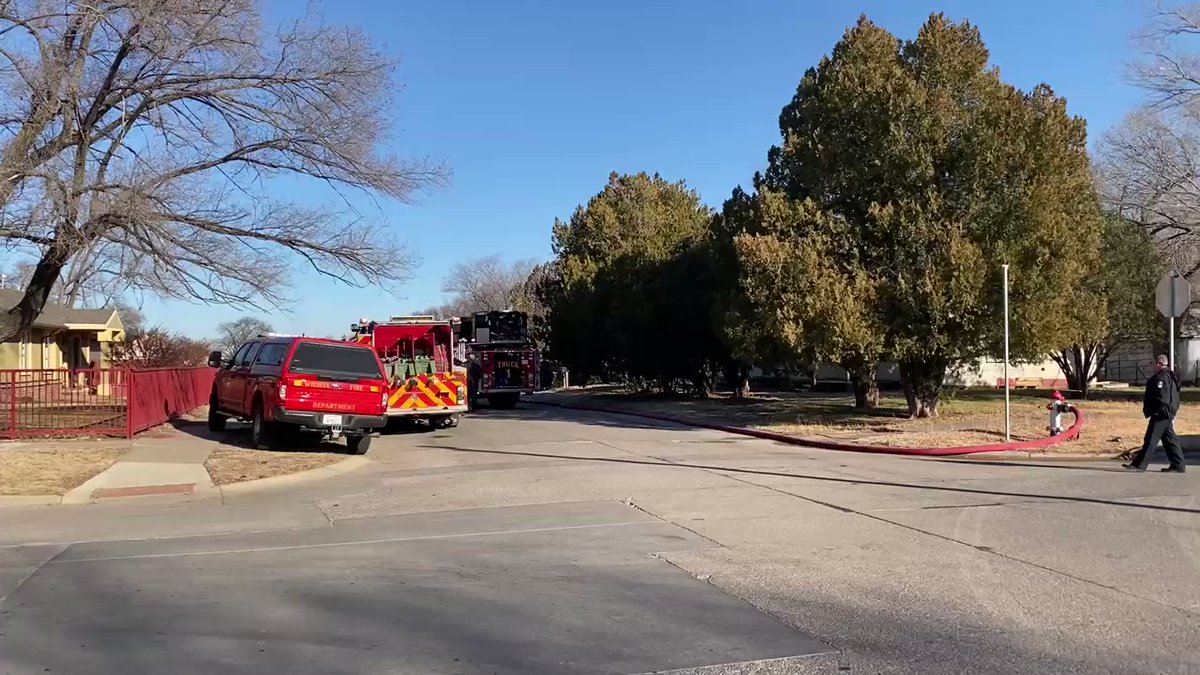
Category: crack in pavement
<point>982,549</point>
<point>34,571</point>
<point>723,472</point>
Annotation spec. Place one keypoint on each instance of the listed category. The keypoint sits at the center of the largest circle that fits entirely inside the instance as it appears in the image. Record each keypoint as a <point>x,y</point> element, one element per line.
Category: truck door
<point>239,378</point>
<point>224,382</point>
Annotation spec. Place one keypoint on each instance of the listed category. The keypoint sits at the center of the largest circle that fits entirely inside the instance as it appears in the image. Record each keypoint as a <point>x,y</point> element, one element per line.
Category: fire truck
<point>417,354</point>
<point>508,358</point>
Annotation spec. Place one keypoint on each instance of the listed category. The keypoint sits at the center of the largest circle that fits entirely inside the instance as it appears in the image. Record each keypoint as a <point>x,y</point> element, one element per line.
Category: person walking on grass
<point>1160,405</point>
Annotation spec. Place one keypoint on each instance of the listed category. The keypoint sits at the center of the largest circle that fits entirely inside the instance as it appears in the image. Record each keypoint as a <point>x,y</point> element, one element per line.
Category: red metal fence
<point>99,402</point>
<point>162,394</point>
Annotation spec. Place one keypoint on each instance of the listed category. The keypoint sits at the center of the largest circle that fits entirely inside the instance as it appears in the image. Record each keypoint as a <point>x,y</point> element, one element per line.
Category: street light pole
<point>1007,403</point>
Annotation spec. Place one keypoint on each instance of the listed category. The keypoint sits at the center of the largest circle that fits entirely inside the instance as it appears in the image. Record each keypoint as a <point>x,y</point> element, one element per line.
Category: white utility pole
<point>1007,403</point>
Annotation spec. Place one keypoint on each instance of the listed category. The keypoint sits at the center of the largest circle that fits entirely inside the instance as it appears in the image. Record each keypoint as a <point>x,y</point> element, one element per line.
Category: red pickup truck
<point>283,382</point>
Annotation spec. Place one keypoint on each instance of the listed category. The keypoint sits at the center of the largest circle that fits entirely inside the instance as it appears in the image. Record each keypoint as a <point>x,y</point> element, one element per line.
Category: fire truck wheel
<point>503,401</point>
<point>358,445</point>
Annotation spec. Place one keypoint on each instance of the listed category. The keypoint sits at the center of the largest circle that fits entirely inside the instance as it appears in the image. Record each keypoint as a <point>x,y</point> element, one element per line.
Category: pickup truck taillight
<point>283,392</point>
<point>384,402</point>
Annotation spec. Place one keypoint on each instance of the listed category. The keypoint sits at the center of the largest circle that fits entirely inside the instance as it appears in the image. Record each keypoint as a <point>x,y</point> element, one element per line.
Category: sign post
<point>1173,296</point>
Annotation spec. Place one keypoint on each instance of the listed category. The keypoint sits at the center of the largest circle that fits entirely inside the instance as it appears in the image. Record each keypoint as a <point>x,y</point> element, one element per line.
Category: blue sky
<point>532,103</point>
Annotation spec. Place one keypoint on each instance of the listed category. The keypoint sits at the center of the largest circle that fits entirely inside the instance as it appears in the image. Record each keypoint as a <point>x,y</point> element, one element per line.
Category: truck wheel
<point>503,401</point>
<point>358,445</point>
<point>260,430</point>
<point>216,421</point>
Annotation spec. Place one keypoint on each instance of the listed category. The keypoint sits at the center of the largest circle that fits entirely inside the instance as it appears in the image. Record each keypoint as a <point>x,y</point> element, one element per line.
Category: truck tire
<point>216,421</point>
<point>503,401</point>
<point>261,435</point>
<point>358,445</point>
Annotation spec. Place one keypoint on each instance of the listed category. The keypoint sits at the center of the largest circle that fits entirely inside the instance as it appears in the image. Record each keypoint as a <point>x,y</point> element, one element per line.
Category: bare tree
<point>1148,167</point>
<point>142,138</point>
<point>1149,173</point>
<point>488,283</point>
<point>90,279</point>
<point>232,334</point>
<point>158,348</point>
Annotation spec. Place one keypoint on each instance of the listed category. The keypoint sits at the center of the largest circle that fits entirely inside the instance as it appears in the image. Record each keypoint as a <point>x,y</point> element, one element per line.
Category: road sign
<point>1173,295</point>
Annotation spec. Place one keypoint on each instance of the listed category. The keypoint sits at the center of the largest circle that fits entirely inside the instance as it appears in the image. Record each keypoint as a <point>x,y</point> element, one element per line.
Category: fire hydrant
<point>1057,406</point>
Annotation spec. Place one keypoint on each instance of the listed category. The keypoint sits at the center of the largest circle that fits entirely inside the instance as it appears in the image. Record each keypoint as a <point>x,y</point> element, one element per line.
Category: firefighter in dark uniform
<point>1160,404</point>
<point>473,375</point>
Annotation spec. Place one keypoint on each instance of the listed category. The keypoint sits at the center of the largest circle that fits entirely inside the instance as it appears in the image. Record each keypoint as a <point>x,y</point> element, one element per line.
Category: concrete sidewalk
<point>163,462</point>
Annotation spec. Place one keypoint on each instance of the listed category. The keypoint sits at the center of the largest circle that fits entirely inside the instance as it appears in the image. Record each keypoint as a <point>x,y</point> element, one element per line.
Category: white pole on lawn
<point>1007,404</point>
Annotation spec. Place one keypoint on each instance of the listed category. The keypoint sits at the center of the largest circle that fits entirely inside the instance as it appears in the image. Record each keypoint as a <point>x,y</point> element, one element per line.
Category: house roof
<point>52,316</point>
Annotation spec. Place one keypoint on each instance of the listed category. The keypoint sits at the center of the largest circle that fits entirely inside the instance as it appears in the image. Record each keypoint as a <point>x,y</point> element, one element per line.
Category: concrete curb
<point>1021,447</point>
<point>18,501</point>
<point>343,467</point>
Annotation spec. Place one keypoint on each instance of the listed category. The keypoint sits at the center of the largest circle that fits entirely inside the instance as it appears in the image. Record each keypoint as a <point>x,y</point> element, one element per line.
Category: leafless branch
<point>156,131</point>
<point>488,283</point>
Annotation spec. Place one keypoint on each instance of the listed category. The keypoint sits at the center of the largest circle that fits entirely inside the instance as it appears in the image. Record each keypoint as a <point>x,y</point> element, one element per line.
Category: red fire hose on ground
<point>1016,446</point>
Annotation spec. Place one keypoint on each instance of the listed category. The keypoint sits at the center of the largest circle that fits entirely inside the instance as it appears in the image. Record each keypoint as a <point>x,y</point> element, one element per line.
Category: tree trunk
<point>41,282</point>
<point>702,382</point>
<point>737,374</point>
<point>922,381</point>
<point>1079,365</point>
<point>866,390</point>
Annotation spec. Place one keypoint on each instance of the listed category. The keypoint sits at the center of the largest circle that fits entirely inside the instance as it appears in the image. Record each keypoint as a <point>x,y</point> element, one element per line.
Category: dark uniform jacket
<point>1162,396</point>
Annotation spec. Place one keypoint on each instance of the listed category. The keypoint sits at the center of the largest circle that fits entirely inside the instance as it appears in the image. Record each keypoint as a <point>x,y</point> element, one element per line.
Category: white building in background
<point>1129,364</point>
<point>983,373</point>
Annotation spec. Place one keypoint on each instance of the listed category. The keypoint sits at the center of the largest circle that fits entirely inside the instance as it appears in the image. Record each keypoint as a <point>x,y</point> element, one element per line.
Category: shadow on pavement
<point>237,434</point>
<point>829,479</point>
<point>533,412</point>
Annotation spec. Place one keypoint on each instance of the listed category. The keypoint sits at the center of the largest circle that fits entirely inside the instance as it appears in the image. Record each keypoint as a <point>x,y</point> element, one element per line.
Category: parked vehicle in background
<point>417,355</point>
<point>508,358</point>
<point>280,383</point>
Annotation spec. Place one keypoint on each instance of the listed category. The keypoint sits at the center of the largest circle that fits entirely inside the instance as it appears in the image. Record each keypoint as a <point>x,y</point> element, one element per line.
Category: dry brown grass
<point>974,417</point>
<point>57,469</point>
<point>229,464</point>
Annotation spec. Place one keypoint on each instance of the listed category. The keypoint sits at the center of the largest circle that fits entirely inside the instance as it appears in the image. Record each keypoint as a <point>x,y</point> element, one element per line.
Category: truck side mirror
<point>214,359</point>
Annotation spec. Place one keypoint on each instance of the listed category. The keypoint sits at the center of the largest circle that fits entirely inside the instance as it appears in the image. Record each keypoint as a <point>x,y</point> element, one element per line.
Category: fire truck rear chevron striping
<point>417,353</point>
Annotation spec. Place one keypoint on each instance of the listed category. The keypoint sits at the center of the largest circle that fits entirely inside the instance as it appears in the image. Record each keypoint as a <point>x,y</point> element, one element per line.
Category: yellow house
<point>62,337</point>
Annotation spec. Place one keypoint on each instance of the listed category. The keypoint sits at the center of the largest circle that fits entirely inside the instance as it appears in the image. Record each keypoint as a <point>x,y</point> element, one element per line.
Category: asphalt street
<point>548,541</point>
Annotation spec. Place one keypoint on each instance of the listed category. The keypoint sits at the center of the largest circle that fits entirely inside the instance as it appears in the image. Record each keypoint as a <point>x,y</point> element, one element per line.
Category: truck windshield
<point>334,361</point>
